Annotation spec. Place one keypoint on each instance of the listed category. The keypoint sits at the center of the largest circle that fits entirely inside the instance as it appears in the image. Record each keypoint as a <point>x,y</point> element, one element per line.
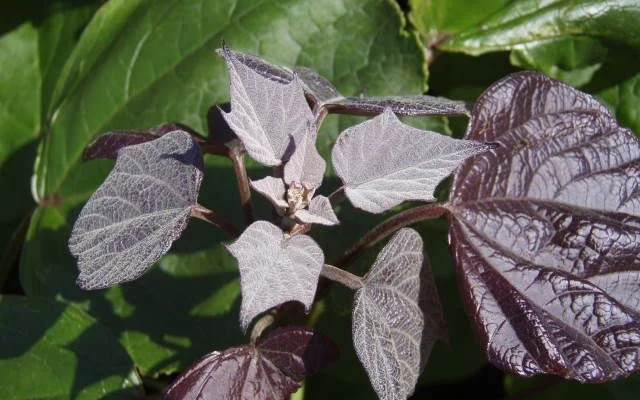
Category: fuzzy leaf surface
<point>270,370</point>
<point>274,269</point>
<point>400,105</point>
<point>271,188</point>
<point>384,162</point>
<point>318,212</point>
<point>390,336</point>
<point>137,213</point>
<point>546,232</point>
<point>306,166</point>
<point>265,114</point>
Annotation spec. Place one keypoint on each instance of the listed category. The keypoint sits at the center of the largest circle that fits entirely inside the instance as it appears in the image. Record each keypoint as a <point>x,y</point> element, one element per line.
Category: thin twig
<point>261,324</point>
<point>203,213</point>
<point>389,226</point>
<point>236,154</point>
<point>346,278</point>
<point>214,148</point>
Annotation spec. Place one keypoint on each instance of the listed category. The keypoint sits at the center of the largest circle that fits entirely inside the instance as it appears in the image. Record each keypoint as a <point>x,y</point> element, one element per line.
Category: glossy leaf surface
<point>529,21</point>
<point>275,269</point>
<point>545,232</point>
<point>270,370</point>
<point>57,351</point>
<point>137,213</point>
<point>384,162</point>
<point>389,331</point>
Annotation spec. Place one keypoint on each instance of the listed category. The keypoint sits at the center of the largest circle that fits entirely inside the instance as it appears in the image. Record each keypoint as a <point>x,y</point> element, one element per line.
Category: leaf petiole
<point>346,278</point>
<point>203,213</point>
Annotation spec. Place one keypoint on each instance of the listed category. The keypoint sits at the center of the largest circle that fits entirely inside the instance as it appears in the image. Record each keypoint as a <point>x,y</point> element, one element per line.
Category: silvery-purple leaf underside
<point>546,232</point>
<point>132,219</point>
<point>275,269</point>
<point>384,162</point>
<point>397,317</point>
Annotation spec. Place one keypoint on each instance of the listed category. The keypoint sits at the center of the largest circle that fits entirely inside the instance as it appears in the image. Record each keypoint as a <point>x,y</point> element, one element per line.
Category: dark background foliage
<point>70,70</point>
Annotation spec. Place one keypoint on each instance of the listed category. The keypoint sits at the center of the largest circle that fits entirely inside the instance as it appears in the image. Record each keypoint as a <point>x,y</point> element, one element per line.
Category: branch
<point>203,213</point>
<point>236,154</point>
<point>389,226</point>
<point>340,275</point>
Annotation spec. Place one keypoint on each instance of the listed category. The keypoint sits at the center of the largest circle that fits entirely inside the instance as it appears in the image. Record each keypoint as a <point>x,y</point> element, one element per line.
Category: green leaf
<point>149,66</point>
<point>624,101</point>
<point>52,350</point>
<point>433,18</point>
<point>573,60</point>
<point>529,21</point>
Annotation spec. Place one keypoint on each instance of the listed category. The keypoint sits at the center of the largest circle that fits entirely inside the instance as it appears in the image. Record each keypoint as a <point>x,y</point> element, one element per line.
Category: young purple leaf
<point>268,371</point>
<point>275,269</point>
<point>108,144</point>
<point>318,212</point>
<point>545,230</point>
<point>139,210</point>
<point>306,166</point>
<point>265,114</point>
<point>271,188</point>
<point>384,162</point>
<point>391,335</point>
<point>400,105</point>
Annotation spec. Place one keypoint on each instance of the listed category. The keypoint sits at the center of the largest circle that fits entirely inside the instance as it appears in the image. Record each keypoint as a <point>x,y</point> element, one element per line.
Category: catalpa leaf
<point>318,212</point>
<point>265,114</point>
<point>389,331</point>
<point>139,210</point>
<point>306,166</point>
<point>271,188</point>
<point>270,370</point>
<point>275,269</point>
<point>545,230</point>
<point>384,162</point>
<point>108,144</point>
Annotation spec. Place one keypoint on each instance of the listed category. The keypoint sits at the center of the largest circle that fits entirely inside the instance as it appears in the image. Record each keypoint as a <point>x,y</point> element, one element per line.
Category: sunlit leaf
<point>137,213</point>
<point>275,269</point>
<point>384,162</point>
<point>265,114</point>
<point>390,335</point>
<point>318,212</point>
<point>306,166</point>
<point>270,370</point>
<point>271,188</point>
<point>546,232</point>
<point>400,105</point>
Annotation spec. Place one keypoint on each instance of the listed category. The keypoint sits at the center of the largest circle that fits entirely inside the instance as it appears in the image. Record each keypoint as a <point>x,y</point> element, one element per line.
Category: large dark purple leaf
<point>268,371</point>
<point>545,230</point>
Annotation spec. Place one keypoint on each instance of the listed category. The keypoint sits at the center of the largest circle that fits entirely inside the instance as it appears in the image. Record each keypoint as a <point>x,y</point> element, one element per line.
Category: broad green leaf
<point>148,74</point>
<point>529,21</point>
<point>432,18</point>
<point>182,308</point>
<point>624,100</point>
<point>138,212</point>
<point>573,60</point>
<point>52,350</point>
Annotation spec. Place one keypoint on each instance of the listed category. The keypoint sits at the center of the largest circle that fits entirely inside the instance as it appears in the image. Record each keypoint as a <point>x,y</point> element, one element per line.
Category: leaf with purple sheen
<point>318,212</point>
<point>384,162</point>
<point>270,370</point>
<point>271,188</point>
<point>142,207</point>
<point>275,269</point>
<point>108,144</point>
<point>545,230</point>
<point>306,166</point>
<point>393,330</point>
<point>265,114</point>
